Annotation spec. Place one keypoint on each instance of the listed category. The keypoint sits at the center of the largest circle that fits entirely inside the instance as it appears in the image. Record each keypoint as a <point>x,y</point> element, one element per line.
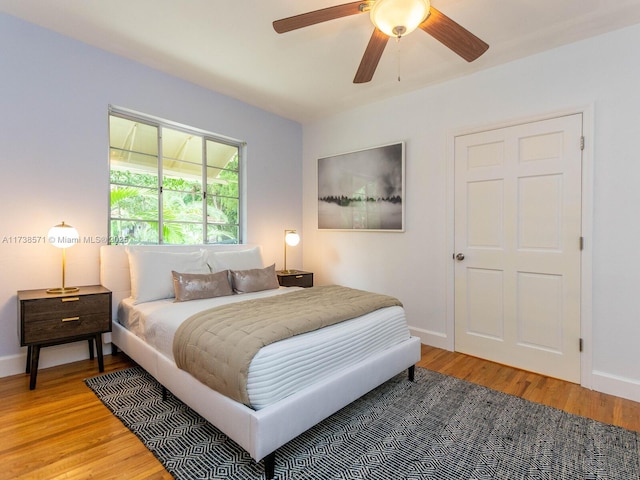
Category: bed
<point>144,326</point>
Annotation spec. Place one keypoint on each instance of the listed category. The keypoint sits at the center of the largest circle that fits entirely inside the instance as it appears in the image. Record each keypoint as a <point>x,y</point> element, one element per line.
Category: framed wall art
<point>362,190</point>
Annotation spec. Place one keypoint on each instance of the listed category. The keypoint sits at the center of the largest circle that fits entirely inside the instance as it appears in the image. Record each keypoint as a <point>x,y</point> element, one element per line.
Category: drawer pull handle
<point>71,319</point>
<point>71,299</point>
<point>298,276</point>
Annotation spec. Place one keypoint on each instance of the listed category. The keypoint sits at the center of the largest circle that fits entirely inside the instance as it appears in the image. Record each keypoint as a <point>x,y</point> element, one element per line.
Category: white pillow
<point>248,259</point>
<point>151,277</point>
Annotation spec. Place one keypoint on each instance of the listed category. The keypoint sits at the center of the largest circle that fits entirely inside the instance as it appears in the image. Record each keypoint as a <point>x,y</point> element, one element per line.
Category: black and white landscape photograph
<point>362,190</point>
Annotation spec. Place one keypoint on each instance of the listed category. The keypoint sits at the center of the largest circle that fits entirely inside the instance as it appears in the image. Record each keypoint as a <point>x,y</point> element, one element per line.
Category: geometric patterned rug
<point>438,427</point>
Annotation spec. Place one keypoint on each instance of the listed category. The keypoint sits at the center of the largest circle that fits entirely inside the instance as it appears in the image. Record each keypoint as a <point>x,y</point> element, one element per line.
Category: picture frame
<point>363,190</point>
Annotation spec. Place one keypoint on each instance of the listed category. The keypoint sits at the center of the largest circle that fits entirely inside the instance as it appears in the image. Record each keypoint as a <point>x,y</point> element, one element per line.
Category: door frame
<point>586,275</point>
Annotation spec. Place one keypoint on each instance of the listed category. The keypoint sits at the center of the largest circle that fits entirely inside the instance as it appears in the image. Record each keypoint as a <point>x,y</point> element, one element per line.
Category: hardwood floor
<point>569,397</point>
<point>61,430</point>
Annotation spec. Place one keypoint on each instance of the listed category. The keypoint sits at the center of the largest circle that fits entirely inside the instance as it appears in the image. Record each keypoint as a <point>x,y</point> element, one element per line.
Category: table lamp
<point>292,239</point>
<point>63,236</point>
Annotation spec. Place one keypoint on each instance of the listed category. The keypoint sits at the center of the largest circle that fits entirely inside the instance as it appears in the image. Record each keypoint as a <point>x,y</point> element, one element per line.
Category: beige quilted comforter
<point>217,345</point>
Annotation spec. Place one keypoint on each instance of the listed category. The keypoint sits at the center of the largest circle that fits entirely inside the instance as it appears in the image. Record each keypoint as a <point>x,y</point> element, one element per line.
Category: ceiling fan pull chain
<point>398,55</point>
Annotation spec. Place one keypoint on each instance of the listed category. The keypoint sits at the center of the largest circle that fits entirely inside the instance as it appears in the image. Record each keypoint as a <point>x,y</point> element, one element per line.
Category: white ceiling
<point>231,47</point>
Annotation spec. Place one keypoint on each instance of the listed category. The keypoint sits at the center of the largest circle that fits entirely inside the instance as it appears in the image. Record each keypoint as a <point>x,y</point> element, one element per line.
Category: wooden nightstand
<point>295,278</point>
<point>51,319</point>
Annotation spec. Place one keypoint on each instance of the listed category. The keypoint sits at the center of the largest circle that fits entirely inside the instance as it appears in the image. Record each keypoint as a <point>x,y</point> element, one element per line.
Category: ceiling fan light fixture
<point>397,18</point>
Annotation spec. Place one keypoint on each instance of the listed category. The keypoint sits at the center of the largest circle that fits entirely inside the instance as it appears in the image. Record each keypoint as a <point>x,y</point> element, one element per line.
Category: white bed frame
<point>259,432</point>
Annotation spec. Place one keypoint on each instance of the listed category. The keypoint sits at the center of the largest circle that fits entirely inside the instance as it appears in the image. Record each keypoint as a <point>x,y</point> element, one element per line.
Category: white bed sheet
<point>284,367</point>
<point>157,322</point>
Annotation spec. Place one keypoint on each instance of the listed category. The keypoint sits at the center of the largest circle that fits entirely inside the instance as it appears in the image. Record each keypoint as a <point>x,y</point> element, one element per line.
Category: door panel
<point>539,322</point>
<point>485,214</point>
<point>485,300</point>
<point>539,213</point>
<point>518,225</point>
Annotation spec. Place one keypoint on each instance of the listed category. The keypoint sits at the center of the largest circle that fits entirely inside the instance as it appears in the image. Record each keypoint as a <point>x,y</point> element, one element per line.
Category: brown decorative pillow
<point>254,280</point>
<point>193,286</point>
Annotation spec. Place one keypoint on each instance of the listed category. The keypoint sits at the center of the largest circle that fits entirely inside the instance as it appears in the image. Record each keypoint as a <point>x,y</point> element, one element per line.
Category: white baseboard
<point>433,339</point>
<point>49,357</point>
<point>615,385</point>
<point>13,364</point>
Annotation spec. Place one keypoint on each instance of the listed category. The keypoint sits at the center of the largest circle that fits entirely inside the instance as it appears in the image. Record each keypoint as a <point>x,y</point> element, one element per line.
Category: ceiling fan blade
<point>453,35</point>
<point>371,57</point>
<point>318,16</point>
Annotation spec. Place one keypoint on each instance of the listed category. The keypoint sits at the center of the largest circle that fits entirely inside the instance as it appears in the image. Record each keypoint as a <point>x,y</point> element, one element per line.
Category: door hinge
<point>580,344</point>
<point>581,243</point>
<point>582,142</point>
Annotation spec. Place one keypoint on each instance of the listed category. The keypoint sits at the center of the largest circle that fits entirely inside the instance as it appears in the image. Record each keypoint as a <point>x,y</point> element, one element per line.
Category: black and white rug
<point>439,427</point>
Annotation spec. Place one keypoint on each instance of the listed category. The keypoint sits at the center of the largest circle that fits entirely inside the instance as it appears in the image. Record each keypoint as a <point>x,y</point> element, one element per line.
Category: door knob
<point>460,257</point>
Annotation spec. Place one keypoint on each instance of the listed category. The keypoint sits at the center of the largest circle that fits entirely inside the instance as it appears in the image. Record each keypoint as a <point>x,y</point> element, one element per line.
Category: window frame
<point>206,136</point>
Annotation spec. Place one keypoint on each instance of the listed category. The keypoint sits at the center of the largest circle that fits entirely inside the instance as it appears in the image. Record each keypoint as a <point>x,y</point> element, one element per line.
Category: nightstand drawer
<point>296,279</point>
<point>54,328</point>
<point>69,306</point>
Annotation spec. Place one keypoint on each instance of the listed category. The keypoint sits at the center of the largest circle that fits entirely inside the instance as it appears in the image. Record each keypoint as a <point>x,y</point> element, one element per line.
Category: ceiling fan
<point>392,18</point>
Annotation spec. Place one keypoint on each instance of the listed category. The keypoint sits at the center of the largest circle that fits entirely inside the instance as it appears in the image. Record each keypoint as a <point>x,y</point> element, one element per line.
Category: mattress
<point>284,367</point>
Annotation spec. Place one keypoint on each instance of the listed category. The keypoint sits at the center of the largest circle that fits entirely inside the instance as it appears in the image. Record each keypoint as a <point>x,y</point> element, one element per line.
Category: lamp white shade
<point>292,239</point>
<point>63,236</point>
<point>399,17</point>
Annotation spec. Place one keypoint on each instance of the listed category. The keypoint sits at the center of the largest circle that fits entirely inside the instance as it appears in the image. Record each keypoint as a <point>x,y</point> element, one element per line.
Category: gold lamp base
<point>63,290</point>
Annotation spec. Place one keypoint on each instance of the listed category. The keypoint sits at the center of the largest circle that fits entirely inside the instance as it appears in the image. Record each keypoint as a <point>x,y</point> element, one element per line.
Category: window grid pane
<point>181,233</point>
<point>180,206</point>
<point>134,202</point>
<point>133,136</point>
<point>178,145</point>
<point>223,234</point>
<point>133,232</point>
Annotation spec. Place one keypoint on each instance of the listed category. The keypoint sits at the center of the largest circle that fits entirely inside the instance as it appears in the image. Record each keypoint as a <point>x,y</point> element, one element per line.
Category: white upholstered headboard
<point>114,264</point>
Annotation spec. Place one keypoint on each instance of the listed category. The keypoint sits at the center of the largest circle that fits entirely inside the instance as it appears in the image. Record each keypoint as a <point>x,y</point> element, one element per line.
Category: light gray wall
<point>54,161</point>
<point>601,74</point>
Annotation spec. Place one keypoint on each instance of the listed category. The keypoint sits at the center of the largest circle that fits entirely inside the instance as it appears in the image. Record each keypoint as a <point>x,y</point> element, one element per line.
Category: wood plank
<point>61,430</point>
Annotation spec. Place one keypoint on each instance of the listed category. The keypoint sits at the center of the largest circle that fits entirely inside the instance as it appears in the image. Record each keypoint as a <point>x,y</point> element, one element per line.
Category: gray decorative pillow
<point>193,286</point>
<point>254,280</point>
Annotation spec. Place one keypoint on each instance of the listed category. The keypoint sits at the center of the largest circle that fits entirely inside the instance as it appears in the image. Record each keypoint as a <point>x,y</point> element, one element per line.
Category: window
<point>171,184</point>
